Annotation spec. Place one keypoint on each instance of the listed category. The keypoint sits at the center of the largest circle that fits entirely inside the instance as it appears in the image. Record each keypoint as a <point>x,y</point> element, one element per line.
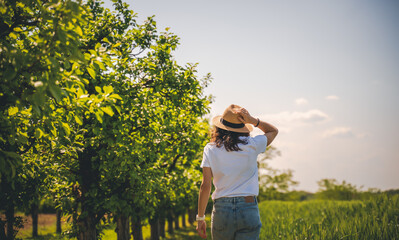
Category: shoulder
<point>260,142</point>
<point>254,139</point>
<point>209,146</point>
<point>259,139</point>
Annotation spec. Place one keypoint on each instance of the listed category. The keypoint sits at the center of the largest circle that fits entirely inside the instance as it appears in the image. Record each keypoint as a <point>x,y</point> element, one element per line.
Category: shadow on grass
<point>189,233</point>
<point>49,236</point>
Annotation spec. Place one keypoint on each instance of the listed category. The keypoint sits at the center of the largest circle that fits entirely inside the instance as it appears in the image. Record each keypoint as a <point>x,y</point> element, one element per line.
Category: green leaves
<point>107,96</point>
<point>99,116</point>
<point>66,128</point>
<point>108,89</point>
<point>55,92</point>
<point>78,30</point>
<point>78,119</point>
<point>38,133</point>
<point>91,72</point>
<point>108,110</point>
<point>12,111</point>
<point>98,89</point>
<point>115,96</point>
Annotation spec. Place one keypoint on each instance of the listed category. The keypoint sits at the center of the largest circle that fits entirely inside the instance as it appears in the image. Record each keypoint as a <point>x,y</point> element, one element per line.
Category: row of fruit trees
<point>96,115</point>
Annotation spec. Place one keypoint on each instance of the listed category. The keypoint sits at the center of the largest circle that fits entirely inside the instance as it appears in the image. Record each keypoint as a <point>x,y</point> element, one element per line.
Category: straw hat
<point>229,121</point>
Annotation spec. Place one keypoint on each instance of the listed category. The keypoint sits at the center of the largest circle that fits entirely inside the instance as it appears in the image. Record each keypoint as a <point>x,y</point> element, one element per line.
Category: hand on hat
<point>245,117</point>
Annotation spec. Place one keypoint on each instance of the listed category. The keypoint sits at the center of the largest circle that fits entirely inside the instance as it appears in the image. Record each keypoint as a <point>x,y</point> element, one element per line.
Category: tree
<point>331,189</point>
<point>104,100</point>
<point>274,183</point>
<point>130,122</point>
<point>36,38</point>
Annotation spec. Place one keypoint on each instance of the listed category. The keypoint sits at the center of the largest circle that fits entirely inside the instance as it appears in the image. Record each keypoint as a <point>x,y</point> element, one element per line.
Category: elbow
<point>271,136</point>
<point>205,187</point>
<point>274,133</point>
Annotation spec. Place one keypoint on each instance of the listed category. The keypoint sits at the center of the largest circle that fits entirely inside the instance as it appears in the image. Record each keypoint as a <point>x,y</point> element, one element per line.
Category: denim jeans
<point>235,219</point>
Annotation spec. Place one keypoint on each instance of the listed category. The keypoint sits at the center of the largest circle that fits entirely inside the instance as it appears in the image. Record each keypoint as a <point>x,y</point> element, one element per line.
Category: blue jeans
<point>235,219</point>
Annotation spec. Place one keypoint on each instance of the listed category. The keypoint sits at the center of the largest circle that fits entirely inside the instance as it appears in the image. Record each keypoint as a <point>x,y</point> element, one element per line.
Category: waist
<point>247,199</point>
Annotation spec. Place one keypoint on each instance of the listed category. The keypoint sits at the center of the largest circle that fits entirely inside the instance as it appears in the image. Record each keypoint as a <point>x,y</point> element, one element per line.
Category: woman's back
<point>235,173</point>
<point>230,159</point>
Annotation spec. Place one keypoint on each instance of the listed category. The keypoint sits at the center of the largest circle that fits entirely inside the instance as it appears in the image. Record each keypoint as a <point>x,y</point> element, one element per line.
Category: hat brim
<point>246,129</point>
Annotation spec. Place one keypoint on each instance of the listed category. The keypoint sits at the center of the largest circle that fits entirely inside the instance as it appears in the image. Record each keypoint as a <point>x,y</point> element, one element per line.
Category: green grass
<point>45,231</point>
<point>48,232</point>
<point>189,232</point>
<point>372,219</point>
<point>317,219</point>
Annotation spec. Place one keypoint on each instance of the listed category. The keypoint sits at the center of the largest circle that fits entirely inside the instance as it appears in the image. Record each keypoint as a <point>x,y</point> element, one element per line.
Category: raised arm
<point>269,130</point>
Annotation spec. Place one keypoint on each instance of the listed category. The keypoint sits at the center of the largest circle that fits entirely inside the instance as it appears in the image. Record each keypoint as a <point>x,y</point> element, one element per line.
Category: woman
<point>231,160</point>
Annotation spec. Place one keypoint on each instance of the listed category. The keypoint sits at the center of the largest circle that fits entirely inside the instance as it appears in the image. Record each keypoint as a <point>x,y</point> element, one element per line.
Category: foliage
<point>296,195</point>
<point>331,189</point>
<point>274,184</point>
<point>96,103</point>
<point>37,41</point>
<point>392,192</point>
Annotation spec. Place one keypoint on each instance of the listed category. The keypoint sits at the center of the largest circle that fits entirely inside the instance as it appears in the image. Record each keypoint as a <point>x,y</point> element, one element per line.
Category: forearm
<point>264,126</point>
<point>203,197</point>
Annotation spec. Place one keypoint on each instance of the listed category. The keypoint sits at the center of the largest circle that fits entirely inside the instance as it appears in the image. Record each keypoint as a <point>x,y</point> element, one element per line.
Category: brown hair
<point>229,139</point>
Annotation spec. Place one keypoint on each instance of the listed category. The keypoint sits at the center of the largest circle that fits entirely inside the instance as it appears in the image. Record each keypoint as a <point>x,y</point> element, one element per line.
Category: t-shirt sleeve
<point>260,143</point>
<point>205,158</point>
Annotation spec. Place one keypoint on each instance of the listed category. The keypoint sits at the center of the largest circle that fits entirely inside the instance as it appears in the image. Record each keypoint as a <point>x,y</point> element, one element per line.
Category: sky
<point>325,73</point>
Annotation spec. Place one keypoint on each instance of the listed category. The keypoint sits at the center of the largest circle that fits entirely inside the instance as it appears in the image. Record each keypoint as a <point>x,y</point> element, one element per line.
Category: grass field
<point>372,219</point>
<point>317,219</point>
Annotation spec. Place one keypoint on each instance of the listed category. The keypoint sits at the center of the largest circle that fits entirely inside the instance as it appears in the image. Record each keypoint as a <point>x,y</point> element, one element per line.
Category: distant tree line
<point>278,184</point>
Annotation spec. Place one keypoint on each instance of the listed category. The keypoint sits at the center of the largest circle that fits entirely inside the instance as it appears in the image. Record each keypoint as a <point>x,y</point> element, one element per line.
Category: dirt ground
<point>44,219</point>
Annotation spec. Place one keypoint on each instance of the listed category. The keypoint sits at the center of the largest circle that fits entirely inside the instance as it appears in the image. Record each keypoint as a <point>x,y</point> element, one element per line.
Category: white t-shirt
<point>235,173</point>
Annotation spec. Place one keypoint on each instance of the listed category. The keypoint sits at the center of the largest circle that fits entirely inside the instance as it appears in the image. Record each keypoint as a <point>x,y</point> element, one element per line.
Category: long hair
<point>228,139</point>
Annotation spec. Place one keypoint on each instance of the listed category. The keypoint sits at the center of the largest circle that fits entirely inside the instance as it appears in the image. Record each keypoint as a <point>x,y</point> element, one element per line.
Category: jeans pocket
<point>250,218</point>
<point>219,219</point>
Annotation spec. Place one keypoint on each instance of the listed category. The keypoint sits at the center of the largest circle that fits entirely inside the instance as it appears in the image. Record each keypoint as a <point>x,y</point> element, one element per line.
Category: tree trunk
<point>87,228</point>
<point>122,228</point>
<point>59,214</point>
<point>137,229</point>
<point>162,226</point>
<point>183,220</point>
<point>176,221</point>
<point>10,221</point>
<point>170,222</point>
<point>154,223</point>
<point>2,229</point>
<point>35,218</point>
<point>89,178</point>
<point>191,216</point>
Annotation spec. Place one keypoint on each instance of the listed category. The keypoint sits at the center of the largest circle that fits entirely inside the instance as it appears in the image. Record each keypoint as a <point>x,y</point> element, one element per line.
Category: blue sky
<point>324,72</point>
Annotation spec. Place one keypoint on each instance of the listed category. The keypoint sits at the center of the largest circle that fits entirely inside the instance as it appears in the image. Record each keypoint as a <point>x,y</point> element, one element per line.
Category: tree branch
<point>172,166</point>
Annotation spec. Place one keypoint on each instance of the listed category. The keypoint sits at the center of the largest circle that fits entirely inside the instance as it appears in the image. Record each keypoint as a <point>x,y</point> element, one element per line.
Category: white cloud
<point>338,132</point>
<point>301,101</point>
<point>311,116</point>
<point>287,120</point>
<point>363,135</point>
<point>332,97</point>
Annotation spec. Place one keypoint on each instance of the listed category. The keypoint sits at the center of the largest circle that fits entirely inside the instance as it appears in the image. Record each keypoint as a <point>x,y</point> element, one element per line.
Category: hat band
<point>232,125</point>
